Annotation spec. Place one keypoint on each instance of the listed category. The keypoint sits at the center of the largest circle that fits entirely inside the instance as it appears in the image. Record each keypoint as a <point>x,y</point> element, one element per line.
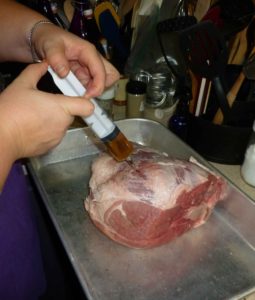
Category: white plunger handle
<point>71,86</point>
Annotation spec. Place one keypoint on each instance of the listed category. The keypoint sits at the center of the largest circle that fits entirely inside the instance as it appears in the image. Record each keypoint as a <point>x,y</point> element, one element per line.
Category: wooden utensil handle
<point>231,96</point>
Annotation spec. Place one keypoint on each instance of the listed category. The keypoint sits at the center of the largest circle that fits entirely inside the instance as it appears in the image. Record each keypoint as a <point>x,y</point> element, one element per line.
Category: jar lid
<point>107,94</point>
<point>136,87</point>
<point>88,12</point>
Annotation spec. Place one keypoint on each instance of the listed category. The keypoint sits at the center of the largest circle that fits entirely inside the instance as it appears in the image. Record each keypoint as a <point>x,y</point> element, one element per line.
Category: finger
<point>112,74</point>
<point>82,73</point>
<point>56,58</point>
<point>96,68</point>
<point>30,76</point>
<point>76,106</point>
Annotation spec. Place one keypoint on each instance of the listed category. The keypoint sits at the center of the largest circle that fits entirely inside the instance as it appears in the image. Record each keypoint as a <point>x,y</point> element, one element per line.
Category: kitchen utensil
<point>108,22</point>
<point>105,6</point>
<point>205,52</point>
<point>173,25</point>
<point>250,37</point>
<point>125,7</point>
<point>249,67</point>
<point>247,72</point>
<point>117,144</point>
<point>202,6</point>
<point>238,48</point>
<point>230,16</point>
<point>236,15</point>
<point>242,44</point>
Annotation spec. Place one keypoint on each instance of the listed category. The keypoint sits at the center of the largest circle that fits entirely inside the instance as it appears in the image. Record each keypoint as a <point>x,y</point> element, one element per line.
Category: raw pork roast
<point>151,201</point>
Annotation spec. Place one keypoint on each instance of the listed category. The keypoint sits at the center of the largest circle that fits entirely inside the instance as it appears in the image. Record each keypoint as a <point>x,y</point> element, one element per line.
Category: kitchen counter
<point>232,172</point>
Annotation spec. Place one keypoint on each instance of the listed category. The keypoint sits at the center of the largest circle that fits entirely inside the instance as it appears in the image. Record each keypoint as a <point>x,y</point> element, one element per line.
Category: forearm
<point>16,22</point>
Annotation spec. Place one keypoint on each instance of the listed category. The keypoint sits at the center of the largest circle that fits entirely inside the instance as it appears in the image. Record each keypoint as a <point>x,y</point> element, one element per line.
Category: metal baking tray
<point>214,261</point>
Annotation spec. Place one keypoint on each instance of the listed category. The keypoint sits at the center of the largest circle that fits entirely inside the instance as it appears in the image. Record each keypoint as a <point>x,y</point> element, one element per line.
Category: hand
<point>64,50</point>
<point>35,121</point>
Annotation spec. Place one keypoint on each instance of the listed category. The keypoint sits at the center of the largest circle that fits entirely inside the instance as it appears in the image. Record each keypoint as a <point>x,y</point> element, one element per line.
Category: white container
<point>248,166</point>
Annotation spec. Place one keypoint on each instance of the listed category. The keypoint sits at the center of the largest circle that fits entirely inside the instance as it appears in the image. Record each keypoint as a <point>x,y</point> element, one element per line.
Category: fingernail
<point>61,70</point>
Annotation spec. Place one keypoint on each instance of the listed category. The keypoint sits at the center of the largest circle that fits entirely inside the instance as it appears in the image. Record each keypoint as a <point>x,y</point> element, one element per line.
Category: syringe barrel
<point>71,86</point>
<point>116,142</point>
<point>99,122</point>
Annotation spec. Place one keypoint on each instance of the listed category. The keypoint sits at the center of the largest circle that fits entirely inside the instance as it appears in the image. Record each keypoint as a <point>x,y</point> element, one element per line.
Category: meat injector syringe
<point>116,142</point>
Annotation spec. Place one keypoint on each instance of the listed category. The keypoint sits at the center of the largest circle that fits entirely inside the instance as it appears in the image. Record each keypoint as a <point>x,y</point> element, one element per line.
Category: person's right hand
<point>32,121</point>
<point>65,51</point>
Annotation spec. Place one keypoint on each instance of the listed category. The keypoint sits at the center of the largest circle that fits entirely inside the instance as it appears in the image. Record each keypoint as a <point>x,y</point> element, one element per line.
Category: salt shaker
<point>136,95</point>
<point>248,166</point>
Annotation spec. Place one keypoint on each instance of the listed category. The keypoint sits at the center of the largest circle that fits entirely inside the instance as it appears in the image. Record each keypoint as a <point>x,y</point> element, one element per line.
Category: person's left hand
<point>64,51</point>
<point>34,121</point>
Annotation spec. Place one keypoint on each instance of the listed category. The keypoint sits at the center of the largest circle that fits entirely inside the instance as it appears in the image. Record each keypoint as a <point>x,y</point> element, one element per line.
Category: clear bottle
<point>248,166</point>
<point>46,7</point>
<point>59,15</point>
<point>159,114</point>
<point>93,34</point>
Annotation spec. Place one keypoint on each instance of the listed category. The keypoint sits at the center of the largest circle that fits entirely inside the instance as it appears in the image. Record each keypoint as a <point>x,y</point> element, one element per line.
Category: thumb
<point>76,106</point>
<point>30,76</point>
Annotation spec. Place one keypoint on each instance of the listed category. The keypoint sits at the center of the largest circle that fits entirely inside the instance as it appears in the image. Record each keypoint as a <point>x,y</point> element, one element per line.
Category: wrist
<point>36,54</point>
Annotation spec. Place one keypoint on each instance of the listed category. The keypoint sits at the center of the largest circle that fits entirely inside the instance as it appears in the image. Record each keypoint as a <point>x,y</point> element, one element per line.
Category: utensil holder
<point>218,143</point>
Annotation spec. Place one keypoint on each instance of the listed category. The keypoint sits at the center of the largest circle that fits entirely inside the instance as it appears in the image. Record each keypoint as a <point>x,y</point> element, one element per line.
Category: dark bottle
<point>93,34</point>
<point>45,8</point>
<point>78,24</point>
<point>178,123</point>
